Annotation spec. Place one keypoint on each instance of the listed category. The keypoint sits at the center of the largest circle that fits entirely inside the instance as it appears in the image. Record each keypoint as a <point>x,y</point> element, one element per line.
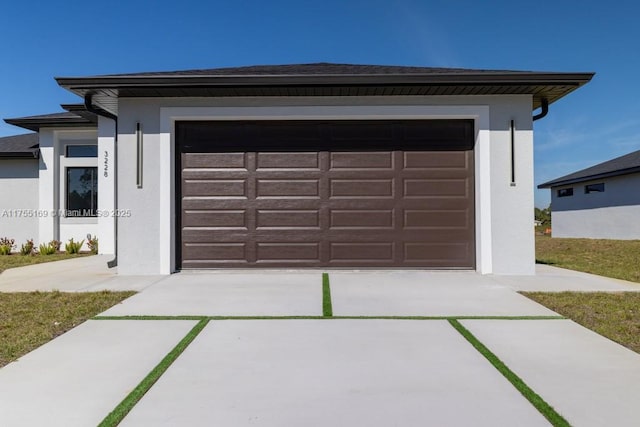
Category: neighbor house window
<point>82,151</point>
<point>594,188</point>
<point>82,192</point>
<point>565,192</point>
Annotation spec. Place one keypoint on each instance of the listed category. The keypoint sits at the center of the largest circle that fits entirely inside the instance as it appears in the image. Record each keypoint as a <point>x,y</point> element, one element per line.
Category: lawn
<point>613,315</point>
<point>28,320</point>
<point>17,260</point>
<point>619,259</point>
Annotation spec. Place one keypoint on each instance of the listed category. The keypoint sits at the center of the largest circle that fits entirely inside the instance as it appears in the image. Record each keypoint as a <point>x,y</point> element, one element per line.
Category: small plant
<point>73,247</point>
<point>47,249</point>
<point>55,244</point>
<point>92,243</point>
<point>6,246</point>
<point>27,248</point>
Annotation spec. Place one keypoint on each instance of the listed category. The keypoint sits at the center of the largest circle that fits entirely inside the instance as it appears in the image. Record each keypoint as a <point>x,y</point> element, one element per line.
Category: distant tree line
<point>543,215</point>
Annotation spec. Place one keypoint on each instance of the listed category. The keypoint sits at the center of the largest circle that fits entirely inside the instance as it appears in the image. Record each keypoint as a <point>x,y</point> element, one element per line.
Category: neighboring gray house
<point>293,166</point>
<point>600,202</point>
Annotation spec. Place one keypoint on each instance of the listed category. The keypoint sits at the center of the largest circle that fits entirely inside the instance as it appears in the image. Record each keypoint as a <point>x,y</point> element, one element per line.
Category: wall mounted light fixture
<point>513,153</point>
<point>139,155</point>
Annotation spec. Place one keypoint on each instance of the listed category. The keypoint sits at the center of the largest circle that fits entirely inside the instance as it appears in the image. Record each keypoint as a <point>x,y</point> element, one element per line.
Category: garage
<point>350,194</point>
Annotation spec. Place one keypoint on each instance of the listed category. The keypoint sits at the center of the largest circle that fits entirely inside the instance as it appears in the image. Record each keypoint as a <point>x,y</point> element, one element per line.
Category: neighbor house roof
<point>623,165</point>
<point>76,116</point>
<point>19,146</point>
<point>324,79</point>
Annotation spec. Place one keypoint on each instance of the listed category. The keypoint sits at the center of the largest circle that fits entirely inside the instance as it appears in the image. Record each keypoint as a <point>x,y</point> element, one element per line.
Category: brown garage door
<point>325,194</point>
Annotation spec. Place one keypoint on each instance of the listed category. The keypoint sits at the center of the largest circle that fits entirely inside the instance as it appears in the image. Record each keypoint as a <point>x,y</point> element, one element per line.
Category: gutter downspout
<point>544,109</point>
<point>88,98</point>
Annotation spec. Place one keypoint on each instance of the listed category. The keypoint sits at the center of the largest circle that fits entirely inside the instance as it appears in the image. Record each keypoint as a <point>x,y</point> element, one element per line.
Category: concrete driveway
<point>265,348</point>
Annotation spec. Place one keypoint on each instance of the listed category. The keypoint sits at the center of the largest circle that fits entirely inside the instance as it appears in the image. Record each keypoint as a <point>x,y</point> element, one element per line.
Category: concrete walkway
<point>72,275</point>
<point>319,371</point>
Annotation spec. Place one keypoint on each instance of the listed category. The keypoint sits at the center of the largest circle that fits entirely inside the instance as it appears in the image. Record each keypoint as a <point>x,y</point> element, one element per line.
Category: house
<point>293,166</point>
<point>19,187</point>
<point>599,202</point>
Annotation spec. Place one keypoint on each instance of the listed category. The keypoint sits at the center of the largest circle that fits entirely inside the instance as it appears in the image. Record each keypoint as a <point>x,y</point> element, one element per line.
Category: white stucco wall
<point>504,242</point>
<point>106,186</point>
<point>19,200</point>
<point>612,214</point>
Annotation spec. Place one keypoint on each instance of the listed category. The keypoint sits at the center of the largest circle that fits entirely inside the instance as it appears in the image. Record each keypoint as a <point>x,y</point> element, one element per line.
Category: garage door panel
<point>377,160</point>
<point>369,252</point>
<point>348,194</point>
<point>280,160</point>
<point>216,251</point>
<point>214,174</point>
<point>215,218</point>
<point>436,252</point>
<point>215,188</point>
<point>288,188</point>
<point>284,251</point>
<point>426,188</point>
<point>287,218</point>
<point>361,188</point>
<point>435,160</point>
<point>215,160</point>
<point>426,219</point>
<point>361,219</point>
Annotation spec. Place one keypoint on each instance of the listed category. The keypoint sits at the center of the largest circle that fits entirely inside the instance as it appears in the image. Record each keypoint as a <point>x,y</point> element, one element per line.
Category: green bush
<point>27,248</point>
<point>6,246</point>
<point>73,247</point>
<point>47,249</point>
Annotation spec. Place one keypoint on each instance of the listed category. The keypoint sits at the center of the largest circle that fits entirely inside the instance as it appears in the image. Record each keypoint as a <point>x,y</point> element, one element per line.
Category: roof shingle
<point>629,163</point>
<point>320,68</point>
<point>19,146</point>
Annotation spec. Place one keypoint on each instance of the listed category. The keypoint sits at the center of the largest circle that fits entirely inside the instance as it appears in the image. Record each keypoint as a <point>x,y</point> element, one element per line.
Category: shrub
<point>73,247</point>
<point>6,245</point>
<point>92,242</point>
<point>27,248</point>
<point>55,244</point>
<point>47,249</point>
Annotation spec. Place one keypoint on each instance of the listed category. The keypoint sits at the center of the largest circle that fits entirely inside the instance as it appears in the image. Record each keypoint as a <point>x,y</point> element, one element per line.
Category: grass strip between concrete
<point>190,317</point>
<point>327,309</point>
<point>538,402</point>
<point>117,415</point>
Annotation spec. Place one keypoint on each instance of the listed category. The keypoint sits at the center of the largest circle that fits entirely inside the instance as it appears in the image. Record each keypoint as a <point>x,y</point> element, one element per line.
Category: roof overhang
<point>32,154</point>
<point>560,182</point>
<point>105,90</point>
<point>57,120</point>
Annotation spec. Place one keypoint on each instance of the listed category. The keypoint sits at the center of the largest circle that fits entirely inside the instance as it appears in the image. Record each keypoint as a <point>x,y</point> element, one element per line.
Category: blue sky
<point>43,39</point>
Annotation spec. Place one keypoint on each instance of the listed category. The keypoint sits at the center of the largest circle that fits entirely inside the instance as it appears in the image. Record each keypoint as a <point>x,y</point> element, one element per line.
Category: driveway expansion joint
<point>190,317</point>
<point>123,408</point>
<point>536,400</point>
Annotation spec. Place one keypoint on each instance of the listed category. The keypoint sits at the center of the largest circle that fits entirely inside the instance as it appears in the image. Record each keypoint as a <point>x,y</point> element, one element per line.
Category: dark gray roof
<point>623,165</point>
<point>65,119</point>
<point>324,79</point>
<point>16,146</point>
<point>320,68</point>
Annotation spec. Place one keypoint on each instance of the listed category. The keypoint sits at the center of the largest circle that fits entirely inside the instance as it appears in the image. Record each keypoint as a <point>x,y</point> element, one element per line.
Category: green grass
<point>538,402</point>
<point>117,415</point>
<point>327,308</point>
<point>28,320</point>
<point>619,259</point>
<point>613,315</point>
<point>17,260</point>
